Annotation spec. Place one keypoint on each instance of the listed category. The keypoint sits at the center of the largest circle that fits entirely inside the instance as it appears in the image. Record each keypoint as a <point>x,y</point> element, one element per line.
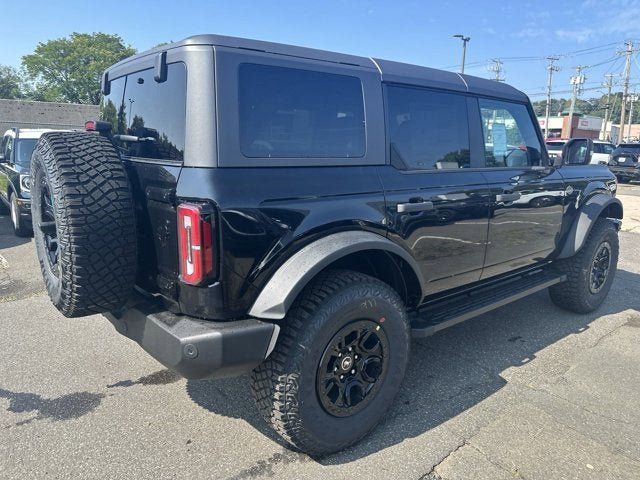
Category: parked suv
<point>624,163</point>
<point>15,155</point>
<point>252,207</point>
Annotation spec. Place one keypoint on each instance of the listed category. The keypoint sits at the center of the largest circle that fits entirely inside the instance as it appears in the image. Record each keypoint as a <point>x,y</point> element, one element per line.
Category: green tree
<point>10,83</point>
<point>69,69</point>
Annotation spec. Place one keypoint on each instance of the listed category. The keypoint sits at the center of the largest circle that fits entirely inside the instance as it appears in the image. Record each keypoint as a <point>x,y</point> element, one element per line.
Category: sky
<point>521,33</point>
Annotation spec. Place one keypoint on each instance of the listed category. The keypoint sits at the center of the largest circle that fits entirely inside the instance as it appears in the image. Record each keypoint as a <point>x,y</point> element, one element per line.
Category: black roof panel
<point>390,71</point>
<point>396,72</point>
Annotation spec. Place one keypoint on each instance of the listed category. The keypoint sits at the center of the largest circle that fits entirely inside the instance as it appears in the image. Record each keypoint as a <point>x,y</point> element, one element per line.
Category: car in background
<point>15,189</point>
<point>602,152</point>
<point>623,162</point>
<point>554,147</point>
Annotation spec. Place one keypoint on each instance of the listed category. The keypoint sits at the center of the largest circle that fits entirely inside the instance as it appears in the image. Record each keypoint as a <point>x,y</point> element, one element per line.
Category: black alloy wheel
<point>352,368</point>
<point>600,267</point>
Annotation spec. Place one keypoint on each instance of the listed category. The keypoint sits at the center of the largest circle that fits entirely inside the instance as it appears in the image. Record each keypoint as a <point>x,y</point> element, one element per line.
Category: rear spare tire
<point>83,222</point>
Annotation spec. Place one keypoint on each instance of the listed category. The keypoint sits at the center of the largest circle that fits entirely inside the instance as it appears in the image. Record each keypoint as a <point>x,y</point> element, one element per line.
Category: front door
<point>527,193</point>
<point>437,205</point>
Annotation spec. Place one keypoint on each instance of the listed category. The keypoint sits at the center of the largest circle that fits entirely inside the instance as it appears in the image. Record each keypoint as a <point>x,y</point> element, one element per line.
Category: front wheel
<point>338,364</point>
<point>590,272</point>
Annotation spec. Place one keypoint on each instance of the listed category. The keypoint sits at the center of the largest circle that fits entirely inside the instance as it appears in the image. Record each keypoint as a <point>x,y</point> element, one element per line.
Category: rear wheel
<point>19,228</point>
<point>590,272</point>
<point>338,364</point>
<point>83,221</point>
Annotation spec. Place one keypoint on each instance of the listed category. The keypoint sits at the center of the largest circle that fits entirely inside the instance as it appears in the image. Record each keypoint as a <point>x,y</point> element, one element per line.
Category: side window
<point>293,113</point>
<point>510,138</point>
<point>154,113</point>
<point>427,130</point>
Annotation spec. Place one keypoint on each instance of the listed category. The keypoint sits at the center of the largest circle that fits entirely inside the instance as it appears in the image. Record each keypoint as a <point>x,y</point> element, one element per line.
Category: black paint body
<point>266,213</point>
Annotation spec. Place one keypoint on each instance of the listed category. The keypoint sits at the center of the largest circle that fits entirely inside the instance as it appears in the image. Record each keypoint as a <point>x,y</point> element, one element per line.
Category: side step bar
<point>445,313</point>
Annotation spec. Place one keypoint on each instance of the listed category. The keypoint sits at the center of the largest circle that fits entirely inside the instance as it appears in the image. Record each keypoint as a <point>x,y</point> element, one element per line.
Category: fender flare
<point>585,219</point>
<point>284,286</point>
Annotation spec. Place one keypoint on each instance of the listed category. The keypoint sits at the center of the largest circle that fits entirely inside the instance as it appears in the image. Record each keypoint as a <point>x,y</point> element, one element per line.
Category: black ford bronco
<point>245,206</point>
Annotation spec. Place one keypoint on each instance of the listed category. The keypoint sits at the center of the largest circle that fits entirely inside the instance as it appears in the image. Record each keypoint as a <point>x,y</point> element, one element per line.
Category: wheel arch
<point>360,251</point>
<point>598,206</point>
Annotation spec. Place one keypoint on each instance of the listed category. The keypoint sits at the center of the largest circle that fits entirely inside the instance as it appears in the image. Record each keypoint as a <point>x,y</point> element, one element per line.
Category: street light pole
<point>465,40</point>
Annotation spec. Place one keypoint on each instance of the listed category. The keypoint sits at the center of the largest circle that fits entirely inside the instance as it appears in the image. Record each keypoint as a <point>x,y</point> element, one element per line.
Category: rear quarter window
<point>154,113</point>
<point>294,113</point>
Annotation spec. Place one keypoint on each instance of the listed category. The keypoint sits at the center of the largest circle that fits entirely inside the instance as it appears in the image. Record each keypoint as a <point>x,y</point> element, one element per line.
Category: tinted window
<point>24,149</point>
<point>555,145</point>
<point>510,138</point>
<point>286,112</point>
<point>427,130</point>
<point>153,112</point>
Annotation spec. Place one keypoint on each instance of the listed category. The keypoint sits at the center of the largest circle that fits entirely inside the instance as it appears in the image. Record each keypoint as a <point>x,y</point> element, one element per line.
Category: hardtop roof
<point>390,71</point>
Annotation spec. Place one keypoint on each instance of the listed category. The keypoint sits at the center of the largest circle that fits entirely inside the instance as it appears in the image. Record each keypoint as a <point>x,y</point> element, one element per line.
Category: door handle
<point>415,207</point>
<point>508,197</point>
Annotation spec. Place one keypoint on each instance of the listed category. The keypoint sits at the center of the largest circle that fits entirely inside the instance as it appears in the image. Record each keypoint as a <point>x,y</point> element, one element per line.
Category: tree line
<point>64,69</point>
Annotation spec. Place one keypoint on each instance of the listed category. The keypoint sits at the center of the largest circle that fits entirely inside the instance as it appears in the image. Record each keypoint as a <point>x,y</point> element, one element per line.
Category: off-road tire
<point>94,221</point>
<point>284,385</point>
<point>18,227</point>
<point>575,294</point>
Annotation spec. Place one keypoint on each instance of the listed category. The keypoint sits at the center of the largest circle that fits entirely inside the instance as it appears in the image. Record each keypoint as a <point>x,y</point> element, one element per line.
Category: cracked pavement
<point>527,391</point>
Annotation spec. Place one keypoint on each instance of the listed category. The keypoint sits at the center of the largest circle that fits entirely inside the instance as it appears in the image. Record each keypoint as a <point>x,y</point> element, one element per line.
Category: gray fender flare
<point>284,286</point>
<point>584,221</point>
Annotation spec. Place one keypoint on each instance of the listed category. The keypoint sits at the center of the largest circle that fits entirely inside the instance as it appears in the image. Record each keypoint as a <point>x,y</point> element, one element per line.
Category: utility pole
<point>497,69</point>
<point>632,99</point>
<point>609,84</point>
<point>550,68</point>
<point>576,81</point>
<point>625,88</point>
<point>465,40</point>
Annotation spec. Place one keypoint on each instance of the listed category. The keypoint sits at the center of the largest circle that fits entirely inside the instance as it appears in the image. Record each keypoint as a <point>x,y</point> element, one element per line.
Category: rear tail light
<point>195,244</point>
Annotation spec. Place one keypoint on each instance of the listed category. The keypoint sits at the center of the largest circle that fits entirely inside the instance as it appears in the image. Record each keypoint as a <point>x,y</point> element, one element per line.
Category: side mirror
<point>577,151</point>
<point>2,160</point>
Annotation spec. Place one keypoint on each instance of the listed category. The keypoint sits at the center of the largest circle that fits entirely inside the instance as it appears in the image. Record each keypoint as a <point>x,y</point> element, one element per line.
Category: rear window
<point>626,149</point>
<point>154,113</point>
<point>555,145</point>
<point>293,113</point>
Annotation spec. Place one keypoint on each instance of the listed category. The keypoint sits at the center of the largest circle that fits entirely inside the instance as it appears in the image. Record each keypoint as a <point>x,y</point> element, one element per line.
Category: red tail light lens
<point>195,244</point>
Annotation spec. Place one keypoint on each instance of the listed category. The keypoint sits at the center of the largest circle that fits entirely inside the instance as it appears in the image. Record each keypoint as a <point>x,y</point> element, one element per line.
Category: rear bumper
<point>626,172</point>
<point>196,348</point>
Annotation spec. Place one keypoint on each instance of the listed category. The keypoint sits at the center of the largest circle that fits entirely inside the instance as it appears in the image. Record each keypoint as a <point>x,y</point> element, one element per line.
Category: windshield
<point>24,149</point>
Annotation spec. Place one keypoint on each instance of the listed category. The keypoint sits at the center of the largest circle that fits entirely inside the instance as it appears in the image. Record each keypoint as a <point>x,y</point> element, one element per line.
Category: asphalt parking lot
<point>528,391</point>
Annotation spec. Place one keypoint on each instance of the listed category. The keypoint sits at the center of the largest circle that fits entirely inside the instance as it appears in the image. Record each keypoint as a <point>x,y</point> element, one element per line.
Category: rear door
<point>437,204</point>
<point>526,192</point>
